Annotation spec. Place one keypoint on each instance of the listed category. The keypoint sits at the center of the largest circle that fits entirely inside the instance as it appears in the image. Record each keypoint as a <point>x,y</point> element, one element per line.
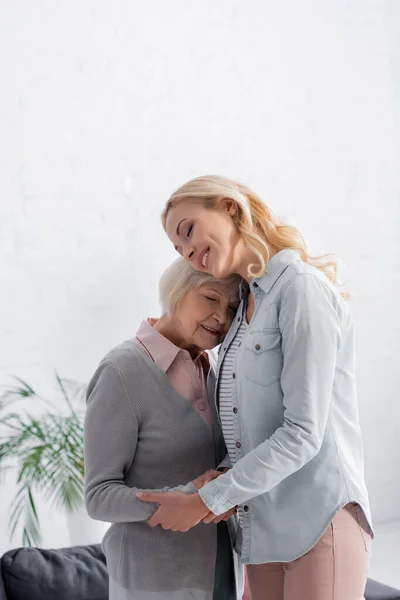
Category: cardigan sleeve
<point>110,440</point>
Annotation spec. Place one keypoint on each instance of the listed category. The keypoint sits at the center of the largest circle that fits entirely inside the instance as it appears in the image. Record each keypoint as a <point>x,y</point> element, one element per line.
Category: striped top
<point>226,408</point>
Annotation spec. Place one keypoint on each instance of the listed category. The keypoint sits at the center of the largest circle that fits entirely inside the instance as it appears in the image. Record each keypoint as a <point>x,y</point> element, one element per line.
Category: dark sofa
<point>80,573</point>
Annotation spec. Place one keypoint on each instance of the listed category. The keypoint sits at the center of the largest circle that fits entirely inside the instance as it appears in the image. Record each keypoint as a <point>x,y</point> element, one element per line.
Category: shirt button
<point>238,445</point>
<point>246,508</point>
<point>257,347</point>
<point>238,319</point>
<point>235,410</point>
<point>234,375</point>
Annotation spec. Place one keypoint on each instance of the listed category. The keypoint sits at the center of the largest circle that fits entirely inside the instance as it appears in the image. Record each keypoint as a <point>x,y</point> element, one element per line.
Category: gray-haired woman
<point>149,425</point>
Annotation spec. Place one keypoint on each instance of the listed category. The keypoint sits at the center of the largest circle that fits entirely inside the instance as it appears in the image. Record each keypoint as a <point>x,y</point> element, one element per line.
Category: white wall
<point>107,106</point>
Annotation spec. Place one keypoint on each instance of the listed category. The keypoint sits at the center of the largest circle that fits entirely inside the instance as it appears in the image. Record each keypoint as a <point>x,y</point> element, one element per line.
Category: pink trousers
<point>335,569</point>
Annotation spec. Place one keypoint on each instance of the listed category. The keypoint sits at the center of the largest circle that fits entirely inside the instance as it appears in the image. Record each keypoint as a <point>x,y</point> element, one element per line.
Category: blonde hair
<point>256,221</point>
<point>180,277</point>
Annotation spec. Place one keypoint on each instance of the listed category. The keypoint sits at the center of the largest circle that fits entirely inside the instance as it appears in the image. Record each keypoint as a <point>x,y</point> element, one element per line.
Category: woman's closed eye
<point>189,232</point>
<point>211,299</point>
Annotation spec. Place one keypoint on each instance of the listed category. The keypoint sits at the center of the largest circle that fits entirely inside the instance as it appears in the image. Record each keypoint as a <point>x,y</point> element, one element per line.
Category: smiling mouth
<point>204,258</point>
<point>212,331</point>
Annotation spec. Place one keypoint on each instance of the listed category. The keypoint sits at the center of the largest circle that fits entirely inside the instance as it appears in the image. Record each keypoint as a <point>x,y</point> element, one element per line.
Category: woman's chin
<point>209,344</point>
<point>206,345</point>
<point>220,271</point>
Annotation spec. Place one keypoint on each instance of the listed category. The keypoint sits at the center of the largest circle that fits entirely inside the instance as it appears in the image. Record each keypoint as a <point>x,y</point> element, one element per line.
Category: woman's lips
<point>203,258</point>
<point>211,330</point>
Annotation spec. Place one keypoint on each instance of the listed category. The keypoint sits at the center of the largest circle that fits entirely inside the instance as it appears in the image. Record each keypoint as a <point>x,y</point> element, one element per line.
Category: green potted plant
<point>46,450</point>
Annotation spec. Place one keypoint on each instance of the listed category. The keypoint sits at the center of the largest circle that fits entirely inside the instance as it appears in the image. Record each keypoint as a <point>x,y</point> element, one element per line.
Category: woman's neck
<point>249,258</point>
<point>168,328</point>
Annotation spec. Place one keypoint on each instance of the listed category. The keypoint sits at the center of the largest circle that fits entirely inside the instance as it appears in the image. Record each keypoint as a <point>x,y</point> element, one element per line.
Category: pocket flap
<point>261,341</point>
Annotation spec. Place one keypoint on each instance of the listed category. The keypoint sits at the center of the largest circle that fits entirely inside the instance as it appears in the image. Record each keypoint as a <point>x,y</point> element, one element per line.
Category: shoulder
<point>124,377</point>
<point>309,282</point>
<point>307,293</point>
<point>124,362</point>
<point>124,355</point>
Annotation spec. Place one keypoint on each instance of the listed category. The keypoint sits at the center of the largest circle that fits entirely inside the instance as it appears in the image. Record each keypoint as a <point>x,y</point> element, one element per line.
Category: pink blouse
<point>189,377</point>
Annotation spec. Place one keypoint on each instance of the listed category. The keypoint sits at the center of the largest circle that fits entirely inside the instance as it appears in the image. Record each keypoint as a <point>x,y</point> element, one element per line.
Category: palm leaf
<point>20,392</point>
<point>64,393</point>
<point>25,506</point>
<point>50,457</point>
<point>26,390</point>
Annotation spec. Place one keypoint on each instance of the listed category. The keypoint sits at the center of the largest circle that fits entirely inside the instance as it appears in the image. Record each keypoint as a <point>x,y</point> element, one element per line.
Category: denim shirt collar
<point>275,267</point>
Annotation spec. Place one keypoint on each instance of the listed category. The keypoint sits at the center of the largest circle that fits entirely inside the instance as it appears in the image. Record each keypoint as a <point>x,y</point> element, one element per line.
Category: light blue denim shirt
<point>299,447</point>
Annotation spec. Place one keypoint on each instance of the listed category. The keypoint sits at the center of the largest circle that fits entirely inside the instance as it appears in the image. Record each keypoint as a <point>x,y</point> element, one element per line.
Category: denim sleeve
<point>310,326</point>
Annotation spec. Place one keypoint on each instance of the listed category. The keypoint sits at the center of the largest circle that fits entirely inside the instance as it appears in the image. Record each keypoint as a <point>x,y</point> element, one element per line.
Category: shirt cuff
<point>213,499</point>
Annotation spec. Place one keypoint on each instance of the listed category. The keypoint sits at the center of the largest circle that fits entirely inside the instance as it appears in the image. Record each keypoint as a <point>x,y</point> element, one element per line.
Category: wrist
<point>200,504</point>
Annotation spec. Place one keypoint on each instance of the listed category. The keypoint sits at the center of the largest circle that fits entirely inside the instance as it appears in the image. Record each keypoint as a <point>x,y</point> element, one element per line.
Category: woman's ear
<point>230,207</point>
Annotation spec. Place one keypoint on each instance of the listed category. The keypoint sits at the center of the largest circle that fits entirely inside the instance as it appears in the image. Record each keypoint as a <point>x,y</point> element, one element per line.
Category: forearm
<point>258,472</point>
<point>117,503</point>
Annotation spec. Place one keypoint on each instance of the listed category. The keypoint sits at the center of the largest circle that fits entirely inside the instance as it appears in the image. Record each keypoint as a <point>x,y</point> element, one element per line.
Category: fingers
<point>209,518</point>
<point>155,519</point>
<point>210,475</point>
<point>229,514</point>
<point>219,519</point>
<point>208,478</point>
<point>226,516</point>
<point>159,518</point>
<point>212,518</point>
<point>157,497</point>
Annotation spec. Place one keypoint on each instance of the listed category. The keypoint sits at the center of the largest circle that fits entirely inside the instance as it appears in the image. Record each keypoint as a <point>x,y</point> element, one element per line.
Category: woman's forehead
<point>222,289</point>
<point>182,210</point>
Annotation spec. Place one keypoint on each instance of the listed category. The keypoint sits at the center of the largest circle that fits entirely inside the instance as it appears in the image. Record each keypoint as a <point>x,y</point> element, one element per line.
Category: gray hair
<point>180,277</point>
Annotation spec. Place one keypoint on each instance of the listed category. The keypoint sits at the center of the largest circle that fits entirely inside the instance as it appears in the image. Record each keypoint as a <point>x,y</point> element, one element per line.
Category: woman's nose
<point>188,254</point>
<point>221,316</point>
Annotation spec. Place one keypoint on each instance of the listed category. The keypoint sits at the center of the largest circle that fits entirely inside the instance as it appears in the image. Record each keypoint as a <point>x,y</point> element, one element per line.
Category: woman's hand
<point>206,478</point>
<point>212,518</point>
<point>177,511</point>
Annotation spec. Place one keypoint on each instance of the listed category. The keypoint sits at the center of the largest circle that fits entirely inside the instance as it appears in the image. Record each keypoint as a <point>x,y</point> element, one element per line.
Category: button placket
<point>235,410</point>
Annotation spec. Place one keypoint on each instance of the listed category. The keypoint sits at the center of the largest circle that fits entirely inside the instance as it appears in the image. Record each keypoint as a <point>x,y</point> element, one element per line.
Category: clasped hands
<point>180,512</point>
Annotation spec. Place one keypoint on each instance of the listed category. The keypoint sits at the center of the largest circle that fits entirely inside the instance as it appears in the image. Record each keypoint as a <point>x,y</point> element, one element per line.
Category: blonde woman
<point>151,423</point>
<point>287,401</point>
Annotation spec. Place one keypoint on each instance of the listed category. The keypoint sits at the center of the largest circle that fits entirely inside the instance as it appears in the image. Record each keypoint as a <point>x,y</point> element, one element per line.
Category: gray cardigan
<point>141,434</point>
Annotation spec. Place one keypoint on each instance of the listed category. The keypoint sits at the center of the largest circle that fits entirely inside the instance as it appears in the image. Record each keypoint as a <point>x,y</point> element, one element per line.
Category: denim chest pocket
<point>263,357</point>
